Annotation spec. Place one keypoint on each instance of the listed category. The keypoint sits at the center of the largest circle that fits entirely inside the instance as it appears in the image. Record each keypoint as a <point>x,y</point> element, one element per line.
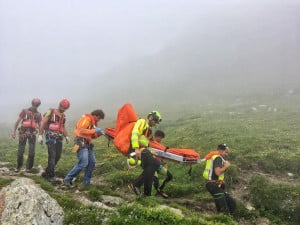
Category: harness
<point>31,119</point>
<point>29,124</point>
<point>55,127</point>
<point>56,122</point>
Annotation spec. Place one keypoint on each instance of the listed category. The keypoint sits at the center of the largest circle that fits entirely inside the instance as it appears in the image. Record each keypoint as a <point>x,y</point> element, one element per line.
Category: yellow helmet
<point>156,116</point>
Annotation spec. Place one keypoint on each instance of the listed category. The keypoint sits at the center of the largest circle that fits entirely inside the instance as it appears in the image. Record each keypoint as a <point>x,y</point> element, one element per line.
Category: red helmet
<point>65,103</point>
<point>35,102</point>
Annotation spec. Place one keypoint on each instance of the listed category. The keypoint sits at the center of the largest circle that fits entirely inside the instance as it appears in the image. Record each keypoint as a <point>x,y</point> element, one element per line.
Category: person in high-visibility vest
<point>148,162</point>
<point>214,171</point>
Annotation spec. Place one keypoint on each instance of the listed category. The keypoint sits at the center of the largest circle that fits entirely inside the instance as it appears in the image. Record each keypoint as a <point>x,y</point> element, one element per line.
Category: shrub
<point>277,200</point>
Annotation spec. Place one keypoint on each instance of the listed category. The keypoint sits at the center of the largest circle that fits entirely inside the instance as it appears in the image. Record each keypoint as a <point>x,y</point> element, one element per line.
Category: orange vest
<point>85,127</point>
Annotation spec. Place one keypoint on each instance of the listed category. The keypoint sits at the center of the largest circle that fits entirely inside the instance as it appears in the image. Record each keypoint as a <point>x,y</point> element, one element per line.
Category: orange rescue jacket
<point>85,127</point>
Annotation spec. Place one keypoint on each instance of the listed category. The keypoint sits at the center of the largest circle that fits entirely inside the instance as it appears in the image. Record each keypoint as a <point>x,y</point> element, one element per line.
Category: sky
<point>80,49</point>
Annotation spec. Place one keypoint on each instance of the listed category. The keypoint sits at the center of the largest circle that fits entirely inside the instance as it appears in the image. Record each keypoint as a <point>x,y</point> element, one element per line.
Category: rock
<point>112,200</point>
<point>27,204</point>
<point>174,210</point>
<point>290,174</point>
<point>263,221</point>
<point>5,164</point>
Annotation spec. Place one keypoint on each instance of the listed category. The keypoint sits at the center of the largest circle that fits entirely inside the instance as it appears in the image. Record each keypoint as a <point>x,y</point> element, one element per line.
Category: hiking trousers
<point>87,161</point>
<point>149,165</point>
<point>224,203</point>
<point>54,154</point>
<point>31,151</point>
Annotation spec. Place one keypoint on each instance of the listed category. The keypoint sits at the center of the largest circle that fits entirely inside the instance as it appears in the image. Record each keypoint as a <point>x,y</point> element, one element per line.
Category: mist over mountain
<point>239,52</point>
<point>162,55</point>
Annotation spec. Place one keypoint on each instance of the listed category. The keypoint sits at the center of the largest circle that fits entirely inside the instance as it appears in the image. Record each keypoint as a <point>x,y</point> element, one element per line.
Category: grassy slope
<point>263,140</point>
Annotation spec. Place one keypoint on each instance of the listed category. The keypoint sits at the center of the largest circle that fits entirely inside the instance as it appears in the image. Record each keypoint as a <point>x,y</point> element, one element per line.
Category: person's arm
<point>221,166</point>
<point>43,124</point>
<point>136,132</point>
<point>16,126</point>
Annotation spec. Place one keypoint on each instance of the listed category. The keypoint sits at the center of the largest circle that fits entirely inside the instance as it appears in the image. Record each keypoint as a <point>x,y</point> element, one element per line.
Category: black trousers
<point>168,178</point>
<point>223,201</point>
<point>149,165</point>
<point>23,138</point>
<point>54,154</point>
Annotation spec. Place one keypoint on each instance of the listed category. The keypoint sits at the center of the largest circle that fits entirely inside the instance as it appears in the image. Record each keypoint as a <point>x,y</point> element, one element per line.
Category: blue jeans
<point>86,160</point>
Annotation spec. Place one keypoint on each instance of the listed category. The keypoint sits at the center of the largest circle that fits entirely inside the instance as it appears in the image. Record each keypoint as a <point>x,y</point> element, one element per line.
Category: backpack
<point>126,119</point>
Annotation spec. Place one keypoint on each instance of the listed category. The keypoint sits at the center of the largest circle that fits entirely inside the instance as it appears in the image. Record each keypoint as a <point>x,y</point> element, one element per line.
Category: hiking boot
<point>45,175</point>
<point>135,189</point>
<point>28,170</point>
<point>67,183</point>
<point>163,194</point>
<point>17,170</point>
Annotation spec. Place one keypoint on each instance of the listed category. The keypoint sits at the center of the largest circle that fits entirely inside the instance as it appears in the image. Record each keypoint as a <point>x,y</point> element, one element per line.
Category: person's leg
<point>58,150</point>
<point>21,150</point>
<point>148,179</point>
<point>31,152</point>
<point>90,167</point>
<point>166,180</point>
<point>82,157</point>
<point>218,194</point>
<point>150,165</point>
<point>155,181</point>
<point>230,203</point>
<point>51,159</point>
<point>138,182</point>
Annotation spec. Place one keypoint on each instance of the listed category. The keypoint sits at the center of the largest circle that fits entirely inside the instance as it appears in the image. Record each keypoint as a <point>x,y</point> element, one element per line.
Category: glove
<point>67,140</point>
<point>40,139</point>
<point>98,130</point>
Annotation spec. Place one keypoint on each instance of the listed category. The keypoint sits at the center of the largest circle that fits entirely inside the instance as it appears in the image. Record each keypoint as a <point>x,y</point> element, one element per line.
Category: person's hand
<point>13,135</point>
<point>67,140</point>
<point>40,139</point>
<point>226,164</point>
<point>98,130</point>
<point>138,153</point>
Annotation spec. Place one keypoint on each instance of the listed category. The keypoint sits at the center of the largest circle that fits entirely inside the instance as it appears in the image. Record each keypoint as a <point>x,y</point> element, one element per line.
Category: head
<point>223,149</point>
<point>159,135</point>
<point>64,104</point>
<point>35,102</point>
<point>154,118</point>
<point>98,114</point>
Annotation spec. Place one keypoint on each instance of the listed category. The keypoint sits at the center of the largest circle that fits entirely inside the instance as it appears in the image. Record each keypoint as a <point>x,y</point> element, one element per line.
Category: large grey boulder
<point>25,203</point>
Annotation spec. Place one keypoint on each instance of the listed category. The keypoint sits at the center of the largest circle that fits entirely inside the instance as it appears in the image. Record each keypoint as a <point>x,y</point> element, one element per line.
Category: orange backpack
<point>125,122</point>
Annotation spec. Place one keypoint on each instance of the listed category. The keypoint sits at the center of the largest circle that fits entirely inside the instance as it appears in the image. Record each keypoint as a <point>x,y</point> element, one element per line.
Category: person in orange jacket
<point>86,130</point>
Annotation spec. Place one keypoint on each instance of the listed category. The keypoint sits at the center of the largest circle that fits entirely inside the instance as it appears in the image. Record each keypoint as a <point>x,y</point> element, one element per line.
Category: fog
<point>157,54</point>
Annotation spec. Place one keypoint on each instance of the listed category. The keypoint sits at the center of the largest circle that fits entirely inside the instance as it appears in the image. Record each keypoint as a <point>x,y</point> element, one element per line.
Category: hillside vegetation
<point>264,153</point>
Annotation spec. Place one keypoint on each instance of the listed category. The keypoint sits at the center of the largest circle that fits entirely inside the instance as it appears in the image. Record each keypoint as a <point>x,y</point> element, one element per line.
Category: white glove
<point>40,139</point>
<point>67,140</point>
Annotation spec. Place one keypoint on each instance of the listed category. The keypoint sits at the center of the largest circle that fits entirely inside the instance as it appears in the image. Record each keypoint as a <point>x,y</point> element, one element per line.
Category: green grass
<point>260,141</point>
